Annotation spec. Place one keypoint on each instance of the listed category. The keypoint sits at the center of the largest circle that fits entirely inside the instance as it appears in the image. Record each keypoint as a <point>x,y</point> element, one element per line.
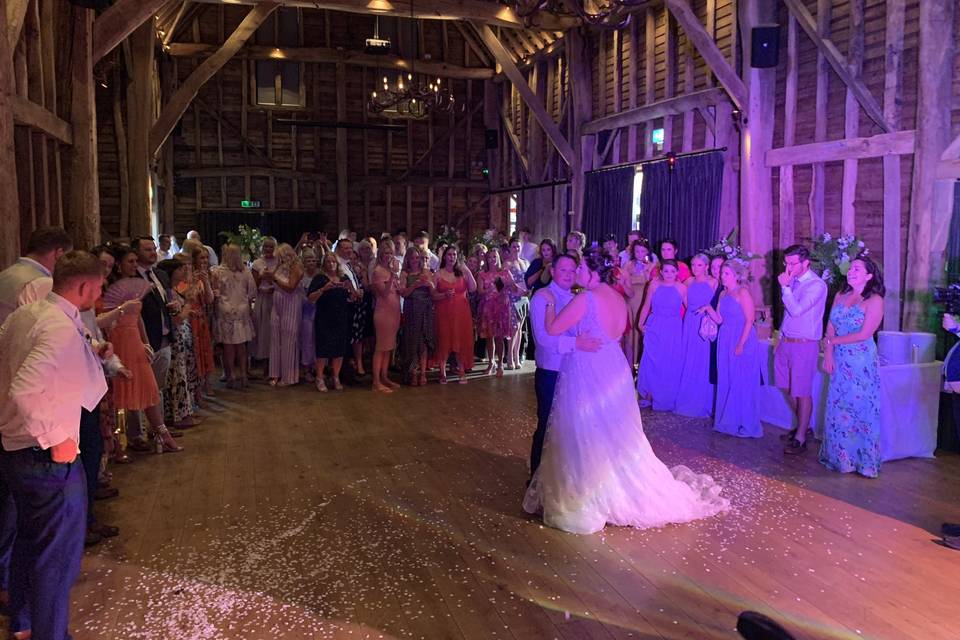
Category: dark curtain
<point>285,226</point>
<point>683,203</point>
<point>608,203</point>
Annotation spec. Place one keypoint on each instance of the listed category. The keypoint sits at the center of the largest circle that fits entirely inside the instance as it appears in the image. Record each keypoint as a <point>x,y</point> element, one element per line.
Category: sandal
<point>320,385</point>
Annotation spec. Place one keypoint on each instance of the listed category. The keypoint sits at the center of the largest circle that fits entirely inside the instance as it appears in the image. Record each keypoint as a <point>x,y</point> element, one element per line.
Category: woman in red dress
<point>454,321</point>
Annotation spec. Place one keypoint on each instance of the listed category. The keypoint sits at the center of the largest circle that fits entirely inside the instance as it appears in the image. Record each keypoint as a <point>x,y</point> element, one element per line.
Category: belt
<point>797,340</point>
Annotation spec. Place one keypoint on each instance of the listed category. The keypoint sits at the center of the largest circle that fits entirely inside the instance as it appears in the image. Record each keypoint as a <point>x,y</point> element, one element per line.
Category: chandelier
<point>611,14</point>
<point>414,98</point>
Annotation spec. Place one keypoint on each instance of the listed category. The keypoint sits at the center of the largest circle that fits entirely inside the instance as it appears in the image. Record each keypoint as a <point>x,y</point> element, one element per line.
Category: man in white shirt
<point>19,282</point>
<point>195,235</point>
<point>422,240</point>
<point>632,237</point>
<point>551,349</point>
<point>528,250</point>
<point>795,361</point>
<point>40,409</point>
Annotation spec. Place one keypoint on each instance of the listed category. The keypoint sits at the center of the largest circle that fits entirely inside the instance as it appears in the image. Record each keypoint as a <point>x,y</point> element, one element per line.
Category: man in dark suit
<point>158,324</point>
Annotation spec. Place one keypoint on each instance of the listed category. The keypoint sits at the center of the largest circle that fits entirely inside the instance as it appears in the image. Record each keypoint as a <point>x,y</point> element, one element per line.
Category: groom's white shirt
<point>550,349</point>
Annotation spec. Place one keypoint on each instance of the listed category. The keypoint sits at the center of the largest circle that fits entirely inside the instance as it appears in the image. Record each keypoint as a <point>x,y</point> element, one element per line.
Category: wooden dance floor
<point>358,515</point>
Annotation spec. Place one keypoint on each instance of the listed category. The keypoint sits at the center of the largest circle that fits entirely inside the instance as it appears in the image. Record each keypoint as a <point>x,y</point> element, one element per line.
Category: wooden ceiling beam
<point>666,107</point>
<point>324,54</point>
<point>117,23</point>
<point>16,15</point>
<point>884,144</point>
<point>708,49</point>
<point>478,50</point>
<point>33,115</point>
<point>532,101</point>
<point>184,95</point>
<point>492,13</point>
<point>837,62</point>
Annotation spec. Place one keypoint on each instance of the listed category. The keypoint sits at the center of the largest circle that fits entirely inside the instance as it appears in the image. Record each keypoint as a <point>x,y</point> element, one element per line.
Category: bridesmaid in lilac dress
<point>738,356</point>
<point>695,399</point>
<point>659,320</point>
<point>308,350</point>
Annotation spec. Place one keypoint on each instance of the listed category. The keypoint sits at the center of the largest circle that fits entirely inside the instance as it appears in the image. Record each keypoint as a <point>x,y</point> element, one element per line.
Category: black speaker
<point>91,4</point>
<point>765,46</point>
<point>492,138</point>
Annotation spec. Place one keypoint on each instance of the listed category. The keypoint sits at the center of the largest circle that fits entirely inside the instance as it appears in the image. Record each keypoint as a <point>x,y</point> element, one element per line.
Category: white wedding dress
<point>598,467</point>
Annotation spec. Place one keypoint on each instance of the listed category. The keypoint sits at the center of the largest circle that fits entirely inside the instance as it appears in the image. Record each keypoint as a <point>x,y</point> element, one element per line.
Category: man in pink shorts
<point>804,296</point>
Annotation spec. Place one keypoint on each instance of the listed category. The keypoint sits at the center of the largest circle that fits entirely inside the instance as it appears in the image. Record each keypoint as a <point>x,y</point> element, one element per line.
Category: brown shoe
<point>795,447</point>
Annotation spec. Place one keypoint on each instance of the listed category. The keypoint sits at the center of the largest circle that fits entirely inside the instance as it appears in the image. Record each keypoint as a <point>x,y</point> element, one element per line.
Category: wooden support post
<point>670,75</point>
<point>931,199</point>
<point>84,210</point>
<point>409,190</point>
<point>650,76</point>
<point>341,149</point>
<point>119,21</point>
<point>10,229</point>
<point>727,136</point>
<point>632,155</point>
<point>892,236</point>
<point>578,61</point>
<point>816,200</point>
<point>140,103</point>
<point>756,197</point>
<point>851,123</point>
<point>123,168</point>
<point>787,207</point>
<point>688,87</point>
<point>491,122</point>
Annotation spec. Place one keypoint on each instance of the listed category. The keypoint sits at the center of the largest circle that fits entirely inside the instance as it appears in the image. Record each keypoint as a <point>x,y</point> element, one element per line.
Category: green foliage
<point>248,238</point>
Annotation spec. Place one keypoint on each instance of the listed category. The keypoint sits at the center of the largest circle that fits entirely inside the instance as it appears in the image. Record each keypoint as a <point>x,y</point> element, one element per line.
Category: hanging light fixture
<point>413,96</point>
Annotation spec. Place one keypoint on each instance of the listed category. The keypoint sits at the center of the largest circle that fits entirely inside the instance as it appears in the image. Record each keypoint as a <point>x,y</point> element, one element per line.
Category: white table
<point>909,406</point>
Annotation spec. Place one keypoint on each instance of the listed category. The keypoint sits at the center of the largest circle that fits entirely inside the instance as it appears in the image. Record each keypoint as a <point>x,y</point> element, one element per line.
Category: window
<point>512,220</point>
<point>280,82</point>
<point>637,190</point>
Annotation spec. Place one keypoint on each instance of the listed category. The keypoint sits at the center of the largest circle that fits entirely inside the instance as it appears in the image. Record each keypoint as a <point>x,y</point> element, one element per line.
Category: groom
<point>550,349</point>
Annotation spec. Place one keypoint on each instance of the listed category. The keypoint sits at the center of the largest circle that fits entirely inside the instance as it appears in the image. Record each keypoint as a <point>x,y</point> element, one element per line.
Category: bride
<point>598,467</point>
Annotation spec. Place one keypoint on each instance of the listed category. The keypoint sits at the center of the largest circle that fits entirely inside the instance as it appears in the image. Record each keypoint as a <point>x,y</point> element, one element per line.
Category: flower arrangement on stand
<point>248,238</point>
<point>728,249</point>
<point>487,238</point>
<point>448,235</point>
<point>831,257</point>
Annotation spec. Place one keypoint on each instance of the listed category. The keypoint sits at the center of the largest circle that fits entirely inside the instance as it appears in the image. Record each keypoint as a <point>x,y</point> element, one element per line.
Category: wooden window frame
<point>277,75</point>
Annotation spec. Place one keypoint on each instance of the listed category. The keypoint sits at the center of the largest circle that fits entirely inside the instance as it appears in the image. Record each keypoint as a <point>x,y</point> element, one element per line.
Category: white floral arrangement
<point>448,235</point>
<point>831,257</point>
<point>487,238</point>
<point>728,249</point>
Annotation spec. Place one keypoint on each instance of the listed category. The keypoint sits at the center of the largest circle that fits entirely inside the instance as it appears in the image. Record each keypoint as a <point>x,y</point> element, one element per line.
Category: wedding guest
<point>695,399</point>
<point>199,295</point>
<point>400,245</point>
<point>851,421</point>
<point>804,297</point>
<point>40,412</point>
<point>386,318</point>
<point>517,268</point>
<point>738,355</point>
<point>211,254</point>
<point>609,247</point>
<point>285,319</point>
<point>186,251</point>
<point>234,291</point>
<point>263,269</point>
<point>179,399</point>
<point>308,349</point>
<point>331,292</point>
<point>632,236</point>
<point>668,251</point>
<point>417,329</point>
<point>636,269</point>
<point>528,250</point>
<point>362,262</point>
<point>359,308</point>
<point>716,264</point>
<point>165,247</point>
<point>538,273</point>
<point>18,282</point>
<point>367,255</point>
<point>131,343</point>
<point>575,242</point>
<point>661,325</point>
<point>422,240</point>
<point>454,322</point>
<point>497,314</point>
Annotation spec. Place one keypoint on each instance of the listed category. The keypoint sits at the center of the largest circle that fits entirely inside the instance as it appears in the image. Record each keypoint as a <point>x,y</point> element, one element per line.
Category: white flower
<point>860,244</point>
<point>827,275</point>
<point>865,252</point>
<point>827,237</point>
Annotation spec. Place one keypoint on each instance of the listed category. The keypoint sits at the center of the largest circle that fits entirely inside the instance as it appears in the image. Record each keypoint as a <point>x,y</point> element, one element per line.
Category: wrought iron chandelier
<point>414,96</point>
<point>611,14</point>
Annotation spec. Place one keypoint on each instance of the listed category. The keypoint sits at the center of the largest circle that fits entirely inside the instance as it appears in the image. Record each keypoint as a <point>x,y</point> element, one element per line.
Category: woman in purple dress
<point>738,356</point>
<point>661,325</point>
<point>308,352</point>
<point>695,399</point>
<point>285,319</point>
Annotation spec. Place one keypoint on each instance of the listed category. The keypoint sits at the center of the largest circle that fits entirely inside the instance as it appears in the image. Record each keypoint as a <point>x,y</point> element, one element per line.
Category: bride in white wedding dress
<point>598,467</point>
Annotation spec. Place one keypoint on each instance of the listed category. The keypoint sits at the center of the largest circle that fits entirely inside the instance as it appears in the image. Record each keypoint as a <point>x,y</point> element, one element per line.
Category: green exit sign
<point>250,204</point>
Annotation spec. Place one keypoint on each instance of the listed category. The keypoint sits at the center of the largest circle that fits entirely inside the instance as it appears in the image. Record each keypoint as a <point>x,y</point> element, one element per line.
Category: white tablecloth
<point>909,406</point>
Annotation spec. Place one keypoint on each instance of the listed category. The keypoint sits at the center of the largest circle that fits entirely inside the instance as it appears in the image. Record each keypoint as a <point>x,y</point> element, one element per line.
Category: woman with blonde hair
<point>234,291</point>
<point>386,316</point>
<point>498,317</point>
<point>199,295</point>
<point>738,355</point>
<point>417,331</point>
<point>285,319</point>
<point>331,292</point>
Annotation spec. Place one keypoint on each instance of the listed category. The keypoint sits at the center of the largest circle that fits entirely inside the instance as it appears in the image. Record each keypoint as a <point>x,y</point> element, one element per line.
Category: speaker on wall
<point>765,46</point>
<point>492,138</point>
<point>91,4</point>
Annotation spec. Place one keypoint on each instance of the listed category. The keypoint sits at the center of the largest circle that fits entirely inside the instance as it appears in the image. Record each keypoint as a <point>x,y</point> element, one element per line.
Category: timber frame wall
<point>853,132</point>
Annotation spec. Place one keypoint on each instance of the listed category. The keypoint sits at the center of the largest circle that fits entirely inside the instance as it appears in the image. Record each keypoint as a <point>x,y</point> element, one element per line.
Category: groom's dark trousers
<point>544,383</point>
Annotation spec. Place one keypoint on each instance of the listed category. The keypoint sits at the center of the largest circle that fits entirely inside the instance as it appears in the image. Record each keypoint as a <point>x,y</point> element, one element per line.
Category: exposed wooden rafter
<point>838,63</point>
<point>119,21</point>
<point>16,11</point>
<point>532,101</point>
<point>884,144</point>
<point>33,115</point>
<point>654,110</point>
<point>324,54</point>
<point>185,94</point>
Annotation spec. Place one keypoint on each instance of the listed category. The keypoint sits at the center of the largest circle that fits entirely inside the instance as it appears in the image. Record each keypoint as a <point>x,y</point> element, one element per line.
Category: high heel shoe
<point>163,442</point>
<point>336,385</point>
<point>463,376</point>
<point>321,386</point>
<point>499,372</point>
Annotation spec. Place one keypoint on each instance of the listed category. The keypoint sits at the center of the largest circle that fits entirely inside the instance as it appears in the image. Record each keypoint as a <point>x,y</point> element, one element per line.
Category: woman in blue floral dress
<point>851,426</point>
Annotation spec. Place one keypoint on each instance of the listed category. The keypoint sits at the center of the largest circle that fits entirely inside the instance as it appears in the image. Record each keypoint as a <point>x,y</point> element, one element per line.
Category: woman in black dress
<point>331,291</point>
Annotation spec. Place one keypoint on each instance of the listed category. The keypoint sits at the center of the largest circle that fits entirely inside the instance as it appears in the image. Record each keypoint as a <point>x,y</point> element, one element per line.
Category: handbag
<point>708,328</point>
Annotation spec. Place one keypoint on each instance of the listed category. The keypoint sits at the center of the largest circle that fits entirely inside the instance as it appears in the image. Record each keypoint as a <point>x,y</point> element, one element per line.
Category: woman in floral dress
<point>851,426</point>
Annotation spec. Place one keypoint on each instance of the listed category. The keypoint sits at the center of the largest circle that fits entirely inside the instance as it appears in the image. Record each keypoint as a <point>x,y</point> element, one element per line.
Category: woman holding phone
<point>454,322</point>
<point>331,293</point>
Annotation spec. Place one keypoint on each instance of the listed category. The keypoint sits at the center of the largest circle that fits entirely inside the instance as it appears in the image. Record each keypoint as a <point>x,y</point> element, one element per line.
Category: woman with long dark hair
<point>454,322</point>
<point>851,423</point>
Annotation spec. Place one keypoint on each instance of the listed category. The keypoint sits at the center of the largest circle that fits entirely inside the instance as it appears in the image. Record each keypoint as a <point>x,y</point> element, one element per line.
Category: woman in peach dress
<point>199,295</point>
<point>386,315</point>
<point>454,321</point>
